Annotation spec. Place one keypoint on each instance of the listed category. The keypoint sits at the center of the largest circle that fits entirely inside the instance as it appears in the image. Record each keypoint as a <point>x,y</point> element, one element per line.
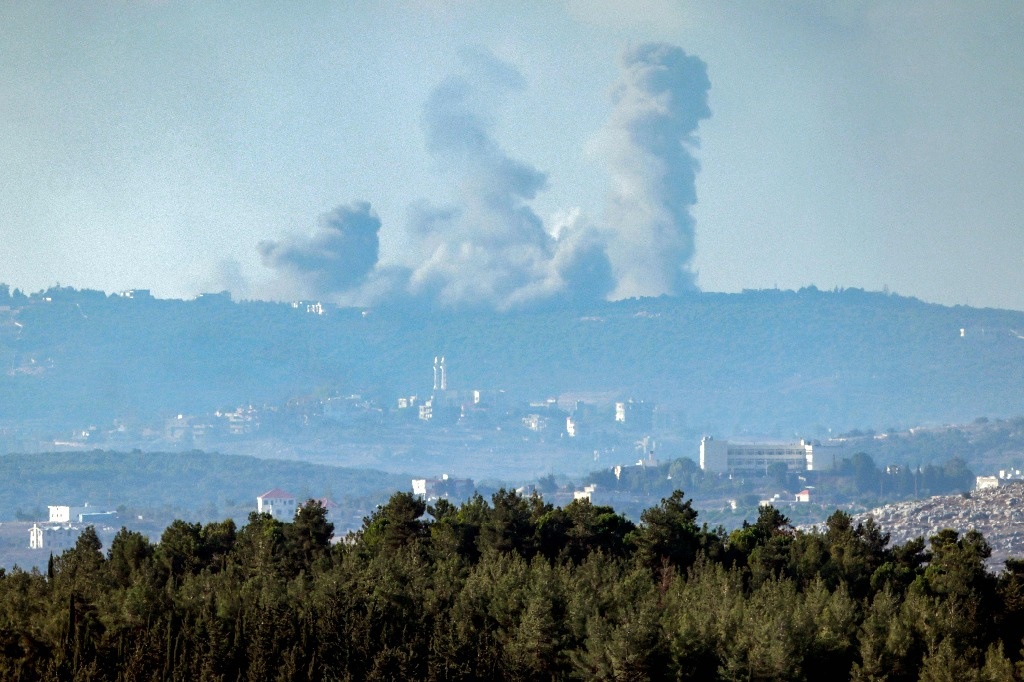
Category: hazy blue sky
<point>187,147</point>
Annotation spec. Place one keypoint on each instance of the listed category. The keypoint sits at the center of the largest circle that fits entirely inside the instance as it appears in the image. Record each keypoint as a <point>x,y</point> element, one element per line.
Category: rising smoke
<point>489,248</point>
<point>337,258</point>
<point>659,101</point>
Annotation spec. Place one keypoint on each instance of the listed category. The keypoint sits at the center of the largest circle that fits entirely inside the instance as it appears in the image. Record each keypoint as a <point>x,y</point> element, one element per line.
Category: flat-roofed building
<point>985,482</point>
<point>722,456</point>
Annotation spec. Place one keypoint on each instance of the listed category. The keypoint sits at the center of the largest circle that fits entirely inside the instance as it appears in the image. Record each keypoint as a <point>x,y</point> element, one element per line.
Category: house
<point>803,496</point>
<point>585,494</point>
<point>277,503</point>
<point>62,513</point>
<point>446,487</point>
<point>570,427</point>
<point>52,536</point>
<point>983,482</point>
<point>635,414</point>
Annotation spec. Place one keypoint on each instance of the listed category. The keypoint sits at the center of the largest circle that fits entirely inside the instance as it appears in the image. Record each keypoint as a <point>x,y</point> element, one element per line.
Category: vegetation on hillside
<point>761,362</point>
<point>192,485</point>
<point>514,588</point>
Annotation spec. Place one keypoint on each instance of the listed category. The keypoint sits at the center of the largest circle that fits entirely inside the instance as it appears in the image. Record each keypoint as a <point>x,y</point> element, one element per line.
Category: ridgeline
<point>769,362</point>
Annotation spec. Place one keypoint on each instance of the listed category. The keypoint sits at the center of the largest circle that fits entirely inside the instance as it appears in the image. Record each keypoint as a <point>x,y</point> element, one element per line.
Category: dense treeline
<point>515,589</point>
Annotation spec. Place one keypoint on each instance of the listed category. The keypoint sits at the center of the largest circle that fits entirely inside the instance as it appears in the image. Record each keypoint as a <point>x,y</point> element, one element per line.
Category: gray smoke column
<point>490,248</point>
<point>658,103</point>
<point>487,247</point>
<point>337,258</point>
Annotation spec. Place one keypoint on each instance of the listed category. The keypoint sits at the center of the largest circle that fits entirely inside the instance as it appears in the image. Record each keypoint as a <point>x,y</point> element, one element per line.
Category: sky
<point>504,154</point>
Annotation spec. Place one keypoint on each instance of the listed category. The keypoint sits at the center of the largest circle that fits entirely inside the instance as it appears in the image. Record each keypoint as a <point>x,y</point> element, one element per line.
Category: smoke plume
<point>659,101</point>
<point>490,248</point>
<point>487,247</point>
<point>335,259</point>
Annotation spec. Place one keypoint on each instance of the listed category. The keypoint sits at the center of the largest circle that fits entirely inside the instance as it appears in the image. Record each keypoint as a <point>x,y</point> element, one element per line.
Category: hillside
<point>766,362</point>
<point>995,512</point>
<point>191,485</point>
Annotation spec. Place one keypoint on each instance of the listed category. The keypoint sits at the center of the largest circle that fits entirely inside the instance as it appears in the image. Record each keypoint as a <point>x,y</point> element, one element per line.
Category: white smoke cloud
<point>659,101</point>
<point>489,247</point>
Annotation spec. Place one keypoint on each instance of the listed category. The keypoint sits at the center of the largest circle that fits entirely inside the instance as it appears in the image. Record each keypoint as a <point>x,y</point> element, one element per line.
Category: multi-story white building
<point>722,456</point>
<point>277,503</point>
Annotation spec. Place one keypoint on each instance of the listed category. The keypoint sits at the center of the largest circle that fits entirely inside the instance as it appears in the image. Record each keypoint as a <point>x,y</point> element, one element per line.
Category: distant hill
<point>190,485</point>
<point>760,362</point>
<point>996,512</point>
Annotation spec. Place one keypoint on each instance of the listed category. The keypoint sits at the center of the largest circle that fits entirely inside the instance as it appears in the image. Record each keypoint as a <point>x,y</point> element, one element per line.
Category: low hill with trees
<point>191,485</point>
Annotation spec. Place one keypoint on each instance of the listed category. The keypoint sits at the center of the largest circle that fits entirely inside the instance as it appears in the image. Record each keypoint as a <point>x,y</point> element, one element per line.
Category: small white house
<point>803,496</point>
<point>277,503</point>
<point>983,482</point>
<point>585,494</point>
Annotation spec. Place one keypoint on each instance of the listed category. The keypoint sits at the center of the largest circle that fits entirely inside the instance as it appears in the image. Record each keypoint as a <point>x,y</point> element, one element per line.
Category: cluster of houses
<point>65,523</point>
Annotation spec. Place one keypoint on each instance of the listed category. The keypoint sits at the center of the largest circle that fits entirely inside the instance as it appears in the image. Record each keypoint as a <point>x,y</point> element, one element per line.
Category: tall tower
<point>436,370</point>
<point>444,375</point>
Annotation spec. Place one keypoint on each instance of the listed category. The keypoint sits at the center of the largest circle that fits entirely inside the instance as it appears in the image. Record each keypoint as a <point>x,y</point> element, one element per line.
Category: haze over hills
<point>772,362</point>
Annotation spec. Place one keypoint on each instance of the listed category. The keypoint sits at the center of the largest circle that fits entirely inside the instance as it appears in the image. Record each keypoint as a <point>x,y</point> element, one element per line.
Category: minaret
<point>435,372</point>
<point>444,376</point>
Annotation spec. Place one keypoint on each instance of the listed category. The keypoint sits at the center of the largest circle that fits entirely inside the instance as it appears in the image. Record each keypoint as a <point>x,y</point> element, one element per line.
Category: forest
<point>515,588</point>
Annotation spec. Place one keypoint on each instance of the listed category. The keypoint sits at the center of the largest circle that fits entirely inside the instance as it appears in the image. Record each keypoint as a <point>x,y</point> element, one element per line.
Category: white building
<point>983,482</point>
<point>721,456</point>
<point>586,494</point>
<point>535,422</point>
<point>62,513</point>
<point>277,503</point>
<point>446,487</point>
<point>570,427</point>
<point>637,414</point>
<point>52,537</point>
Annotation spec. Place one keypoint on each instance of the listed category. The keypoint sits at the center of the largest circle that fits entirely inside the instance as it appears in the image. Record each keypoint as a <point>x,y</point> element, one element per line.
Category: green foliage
<point>668,534</point>
<point>515,589</point>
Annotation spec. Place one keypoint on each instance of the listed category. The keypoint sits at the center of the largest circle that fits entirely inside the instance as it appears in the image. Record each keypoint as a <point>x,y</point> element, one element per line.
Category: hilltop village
<point>739,399</point>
